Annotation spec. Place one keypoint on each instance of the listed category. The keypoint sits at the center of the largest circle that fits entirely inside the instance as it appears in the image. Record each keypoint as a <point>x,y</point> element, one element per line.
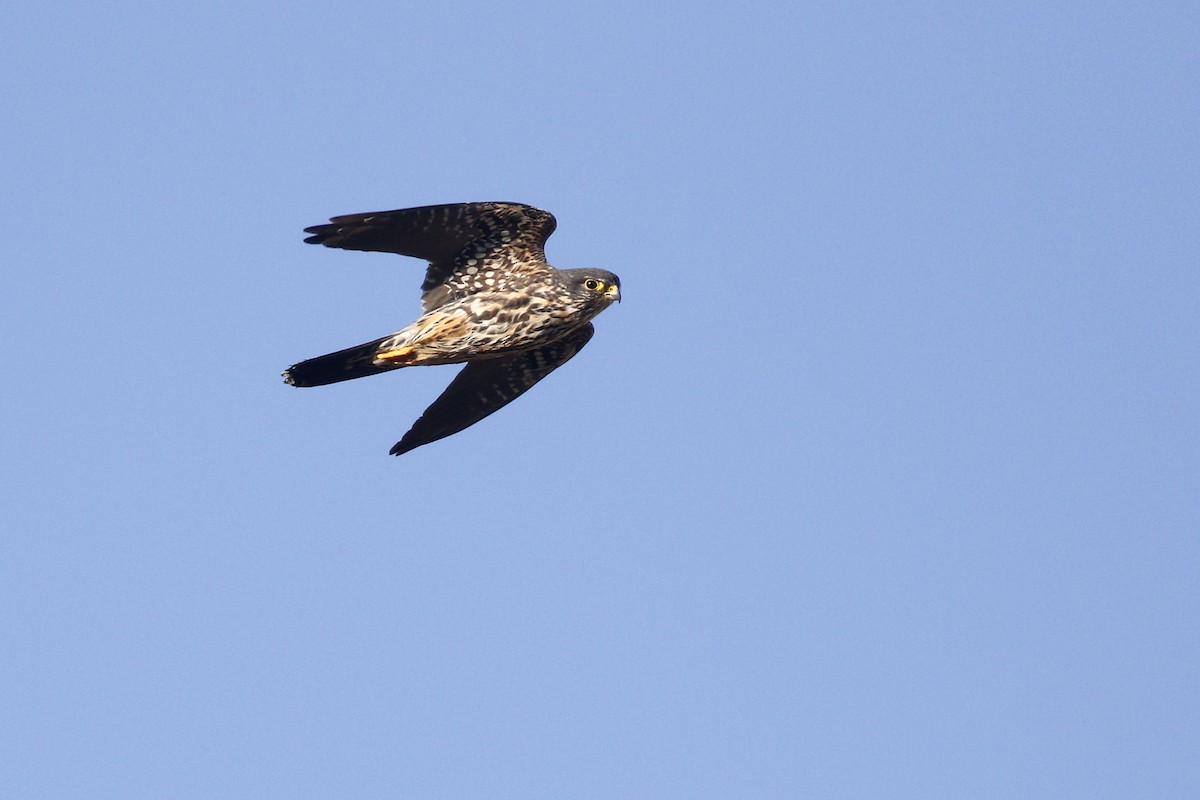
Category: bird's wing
<point>470,247</point>
<point>488,385</point>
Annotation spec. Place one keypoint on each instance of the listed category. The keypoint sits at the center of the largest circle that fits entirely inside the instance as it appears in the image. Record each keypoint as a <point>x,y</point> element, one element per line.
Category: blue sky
<point>883,480</point>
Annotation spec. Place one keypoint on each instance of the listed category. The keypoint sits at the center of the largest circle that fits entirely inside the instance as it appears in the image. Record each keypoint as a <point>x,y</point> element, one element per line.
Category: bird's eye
<point>593,284</point>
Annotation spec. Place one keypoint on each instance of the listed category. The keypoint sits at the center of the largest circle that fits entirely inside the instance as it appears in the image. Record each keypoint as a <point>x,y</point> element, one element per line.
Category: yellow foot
<point>395,353</point>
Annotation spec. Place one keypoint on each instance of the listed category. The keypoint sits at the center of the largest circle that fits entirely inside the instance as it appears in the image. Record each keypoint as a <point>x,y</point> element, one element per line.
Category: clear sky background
<point>883,481</point>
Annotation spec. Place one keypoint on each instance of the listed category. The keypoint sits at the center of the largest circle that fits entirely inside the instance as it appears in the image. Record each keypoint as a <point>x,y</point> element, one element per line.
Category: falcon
<point>490,300</point>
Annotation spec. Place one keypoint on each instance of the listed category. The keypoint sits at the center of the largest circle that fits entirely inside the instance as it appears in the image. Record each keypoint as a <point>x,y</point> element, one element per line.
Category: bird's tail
<point>353,362</point>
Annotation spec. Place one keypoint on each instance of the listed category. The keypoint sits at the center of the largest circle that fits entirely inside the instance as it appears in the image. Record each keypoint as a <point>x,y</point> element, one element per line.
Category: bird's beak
<point>613,293</point>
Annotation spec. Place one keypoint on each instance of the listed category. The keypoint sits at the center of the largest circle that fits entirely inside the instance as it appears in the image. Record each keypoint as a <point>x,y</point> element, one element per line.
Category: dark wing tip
<point>320,234</point>
<point>400,448</point>
<point>416,438</point>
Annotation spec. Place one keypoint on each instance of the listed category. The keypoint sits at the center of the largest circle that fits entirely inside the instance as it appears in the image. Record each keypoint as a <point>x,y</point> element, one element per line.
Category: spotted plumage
<point>490,300</point>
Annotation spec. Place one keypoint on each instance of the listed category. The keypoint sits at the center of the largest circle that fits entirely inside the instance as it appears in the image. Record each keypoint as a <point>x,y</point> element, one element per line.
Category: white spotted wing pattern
<point>489,297</point>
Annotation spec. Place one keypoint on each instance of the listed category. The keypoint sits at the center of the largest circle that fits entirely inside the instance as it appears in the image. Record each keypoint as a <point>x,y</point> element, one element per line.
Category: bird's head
<point>596,288</point>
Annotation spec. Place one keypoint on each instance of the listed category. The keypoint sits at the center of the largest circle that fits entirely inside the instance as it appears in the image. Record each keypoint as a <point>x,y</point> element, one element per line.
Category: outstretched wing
<point>488,385</point>
<point>470,247</point>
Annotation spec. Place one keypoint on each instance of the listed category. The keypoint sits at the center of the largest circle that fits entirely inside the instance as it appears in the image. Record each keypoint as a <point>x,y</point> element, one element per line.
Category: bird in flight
<point>490,300</point>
